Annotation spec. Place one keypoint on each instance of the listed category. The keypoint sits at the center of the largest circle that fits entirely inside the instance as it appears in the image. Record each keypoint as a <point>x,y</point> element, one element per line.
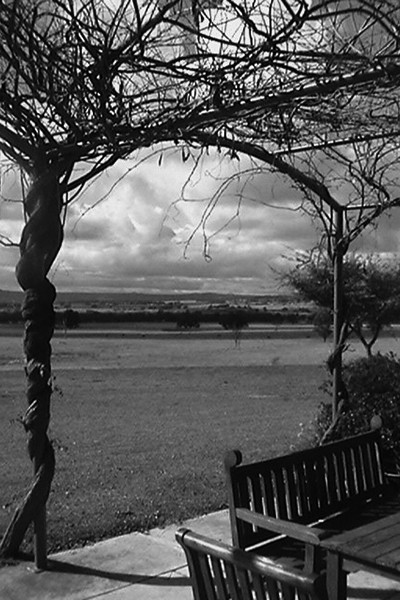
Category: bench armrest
<point>303,533</point>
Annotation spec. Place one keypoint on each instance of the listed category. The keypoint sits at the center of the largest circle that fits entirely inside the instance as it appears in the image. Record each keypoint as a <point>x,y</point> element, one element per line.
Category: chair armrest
<point>303,533</point>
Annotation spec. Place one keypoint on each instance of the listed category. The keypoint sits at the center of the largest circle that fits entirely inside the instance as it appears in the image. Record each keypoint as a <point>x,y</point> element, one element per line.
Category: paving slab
<point>214,525</point>
<point>98,570</point>
<point>364,585</point>
<point>174,587</point>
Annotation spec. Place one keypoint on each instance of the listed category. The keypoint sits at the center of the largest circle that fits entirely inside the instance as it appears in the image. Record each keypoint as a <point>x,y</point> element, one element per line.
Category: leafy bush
<point>373,385</point>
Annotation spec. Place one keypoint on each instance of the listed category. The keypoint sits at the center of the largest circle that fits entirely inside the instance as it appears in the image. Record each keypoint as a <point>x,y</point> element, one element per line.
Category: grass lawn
<point>141,426</point>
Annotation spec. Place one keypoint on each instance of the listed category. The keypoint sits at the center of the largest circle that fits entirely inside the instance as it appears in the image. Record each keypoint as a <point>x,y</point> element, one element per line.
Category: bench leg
<point>336,577</point>
<point>314,562</point>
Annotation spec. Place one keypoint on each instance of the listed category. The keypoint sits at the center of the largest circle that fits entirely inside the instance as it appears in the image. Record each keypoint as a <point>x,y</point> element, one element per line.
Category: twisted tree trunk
<point>40,242</point>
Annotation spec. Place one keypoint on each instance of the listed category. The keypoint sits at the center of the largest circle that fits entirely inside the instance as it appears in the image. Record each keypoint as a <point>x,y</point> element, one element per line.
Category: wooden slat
<point>244,529</point>
<point>390,559</point>
<point>244,584</point>
<point>341,475</point>
<point>292,493</point>
<point>376,464</point>
<point>272,589</point>
<point>288,592</point>
<point>321,484</point>
<point>359,470</point>
<point>356,541</point>
<point>366,457</point>
<point>192,557</point>
<point>310,483</point>
<point>219,579</point>
<point>303,491</point>
<point>255,493</point>
<point>233,586</point>
<point>259,588</point>
<point>385,547</point>
<point>350,473</point>
<point>332,482</point>
<point>379,548</point>
<point>206,576</point>
<point>242,492</point>
<point>268,493</point>
<point>281,496</point>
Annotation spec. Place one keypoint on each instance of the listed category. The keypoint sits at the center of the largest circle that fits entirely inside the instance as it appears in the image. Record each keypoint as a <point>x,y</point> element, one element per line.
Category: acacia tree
<point>371,291</point>
<point>85,83</point>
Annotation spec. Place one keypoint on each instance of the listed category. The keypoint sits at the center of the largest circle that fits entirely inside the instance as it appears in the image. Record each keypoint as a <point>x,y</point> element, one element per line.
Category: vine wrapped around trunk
<point>40,242</point>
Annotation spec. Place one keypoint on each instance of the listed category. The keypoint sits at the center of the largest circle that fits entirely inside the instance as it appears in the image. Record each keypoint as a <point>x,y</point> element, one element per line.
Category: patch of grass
<point>138,448</point>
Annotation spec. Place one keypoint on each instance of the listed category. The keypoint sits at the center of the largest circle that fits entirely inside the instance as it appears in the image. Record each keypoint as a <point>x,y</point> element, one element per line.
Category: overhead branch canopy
<point>94,80</point>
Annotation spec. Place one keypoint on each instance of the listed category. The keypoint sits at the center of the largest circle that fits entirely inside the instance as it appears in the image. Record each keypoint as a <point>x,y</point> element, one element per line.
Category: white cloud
<point>136,237</point>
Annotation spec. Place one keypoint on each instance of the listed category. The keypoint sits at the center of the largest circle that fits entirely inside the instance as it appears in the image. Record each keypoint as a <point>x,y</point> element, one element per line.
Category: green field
<point>140,425</point>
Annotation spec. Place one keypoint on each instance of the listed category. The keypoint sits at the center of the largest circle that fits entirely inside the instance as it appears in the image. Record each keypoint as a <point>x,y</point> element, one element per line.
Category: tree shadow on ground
<point>166,578</point>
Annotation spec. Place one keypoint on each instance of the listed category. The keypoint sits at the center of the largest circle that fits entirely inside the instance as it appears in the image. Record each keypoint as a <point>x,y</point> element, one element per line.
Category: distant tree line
<point>183,318</point>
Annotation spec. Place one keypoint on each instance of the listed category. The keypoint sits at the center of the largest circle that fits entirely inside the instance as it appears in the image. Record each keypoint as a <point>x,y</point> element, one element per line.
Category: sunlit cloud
<point>146,231</point>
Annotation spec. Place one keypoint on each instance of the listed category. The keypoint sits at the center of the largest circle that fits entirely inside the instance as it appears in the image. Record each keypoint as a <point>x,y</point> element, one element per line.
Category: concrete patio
<point>141,566</point>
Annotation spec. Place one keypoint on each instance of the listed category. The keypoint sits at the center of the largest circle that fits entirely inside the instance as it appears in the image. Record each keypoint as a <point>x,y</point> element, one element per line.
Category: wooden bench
<point>284,507</point>
<point>218,571</point>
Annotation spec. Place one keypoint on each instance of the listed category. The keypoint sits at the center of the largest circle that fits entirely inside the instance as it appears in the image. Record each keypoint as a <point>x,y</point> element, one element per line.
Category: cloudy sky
<point>130,230</point>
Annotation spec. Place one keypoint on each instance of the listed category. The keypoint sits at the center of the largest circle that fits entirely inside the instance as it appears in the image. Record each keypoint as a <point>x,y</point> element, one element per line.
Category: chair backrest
<point>221,572</point>
<point>304,486</point>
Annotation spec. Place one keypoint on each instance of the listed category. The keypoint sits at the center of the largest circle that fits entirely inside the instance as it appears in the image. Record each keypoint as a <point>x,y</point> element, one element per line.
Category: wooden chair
<point>222,572</point>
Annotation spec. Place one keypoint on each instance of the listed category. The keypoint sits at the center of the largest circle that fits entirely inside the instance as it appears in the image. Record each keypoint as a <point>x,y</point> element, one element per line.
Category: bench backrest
<point>220,572</point>
<point>304,486</point>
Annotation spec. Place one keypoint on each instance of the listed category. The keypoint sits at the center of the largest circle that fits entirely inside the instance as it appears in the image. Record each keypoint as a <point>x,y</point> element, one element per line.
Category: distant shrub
<point>188,320</point>
<point>236,319</point>
<point>71,319</point>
